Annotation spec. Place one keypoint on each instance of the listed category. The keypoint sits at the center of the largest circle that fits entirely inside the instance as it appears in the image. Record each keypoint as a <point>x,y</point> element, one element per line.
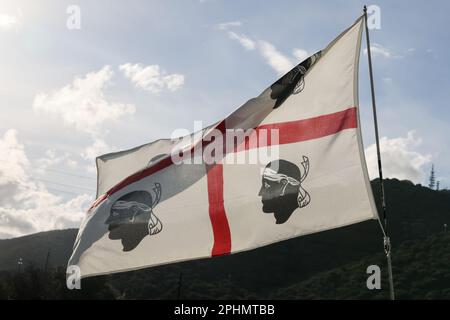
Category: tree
<point>432,178</point>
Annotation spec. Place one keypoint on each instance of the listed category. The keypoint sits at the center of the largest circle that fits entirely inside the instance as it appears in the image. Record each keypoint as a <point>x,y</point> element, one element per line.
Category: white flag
<point>156,207</point>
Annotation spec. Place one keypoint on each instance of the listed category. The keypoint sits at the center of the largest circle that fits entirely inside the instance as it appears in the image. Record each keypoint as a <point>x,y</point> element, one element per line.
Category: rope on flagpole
<point>386,240</point>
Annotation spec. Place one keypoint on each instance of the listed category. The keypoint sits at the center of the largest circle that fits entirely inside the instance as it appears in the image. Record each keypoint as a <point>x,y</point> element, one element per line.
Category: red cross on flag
<point>287,163</point>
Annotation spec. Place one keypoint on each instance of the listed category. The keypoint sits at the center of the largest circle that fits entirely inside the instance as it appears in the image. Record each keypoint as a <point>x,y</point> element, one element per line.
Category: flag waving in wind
<point>156,205</point>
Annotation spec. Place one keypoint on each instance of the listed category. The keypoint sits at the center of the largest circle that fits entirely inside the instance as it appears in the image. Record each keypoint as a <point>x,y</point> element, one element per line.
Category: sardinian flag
<point>287,163</point>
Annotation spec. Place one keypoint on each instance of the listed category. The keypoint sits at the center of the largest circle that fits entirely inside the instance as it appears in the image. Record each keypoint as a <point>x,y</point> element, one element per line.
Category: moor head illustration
<point>131,217</point>
<point>293,82</point>
<point>281,191</point>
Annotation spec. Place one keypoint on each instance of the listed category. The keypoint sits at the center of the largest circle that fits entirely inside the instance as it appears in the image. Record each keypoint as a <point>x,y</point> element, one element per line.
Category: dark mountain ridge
<point>414,212</point>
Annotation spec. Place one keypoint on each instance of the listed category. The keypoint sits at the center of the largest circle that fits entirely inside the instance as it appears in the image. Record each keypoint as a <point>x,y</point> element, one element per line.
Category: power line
<point>59,183</point>
<point>63,191</point>
<point>63,184</point>
<point>61,172</point>
<point>15,181</point>
<point>53,182</point>
<point>69,174</point>
<point>48,188</point>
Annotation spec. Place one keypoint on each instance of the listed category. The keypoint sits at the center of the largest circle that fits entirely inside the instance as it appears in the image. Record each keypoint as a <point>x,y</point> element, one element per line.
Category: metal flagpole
<point>387,242</point>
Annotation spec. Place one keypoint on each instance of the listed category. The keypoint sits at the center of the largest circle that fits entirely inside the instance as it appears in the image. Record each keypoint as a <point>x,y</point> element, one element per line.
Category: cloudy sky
<point>134,71</point>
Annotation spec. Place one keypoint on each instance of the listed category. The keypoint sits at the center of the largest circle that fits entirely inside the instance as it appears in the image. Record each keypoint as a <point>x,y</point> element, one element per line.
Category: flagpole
<point>387,242</point>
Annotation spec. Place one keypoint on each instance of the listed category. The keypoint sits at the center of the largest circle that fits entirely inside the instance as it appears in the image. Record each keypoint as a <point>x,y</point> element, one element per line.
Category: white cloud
<point>73,164</point>
<point>97,148</point>
<point>10,21</point>
<point>300,54</point>
<point>174,81</point>
<point>25,205</point>
<point>50,159</point>
<point>151,77</point>
<point>245,41</point>
<point>274,58</point>
<point>82,104</point>
<point>279,62</point>
<point>399,157</point>
<point>42,211</point>
<point>227,25</point>
<point>13,160</point>
<point>387,80</point>
<point>377,50</point>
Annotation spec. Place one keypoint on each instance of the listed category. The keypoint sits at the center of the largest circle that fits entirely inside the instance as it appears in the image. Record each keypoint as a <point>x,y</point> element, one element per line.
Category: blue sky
<point>206,58</point>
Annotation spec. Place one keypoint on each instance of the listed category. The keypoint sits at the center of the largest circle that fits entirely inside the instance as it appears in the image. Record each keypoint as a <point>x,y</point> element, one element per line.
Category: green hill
<point>415,213</point>
<point>33,249</point>
<point>421,271</point>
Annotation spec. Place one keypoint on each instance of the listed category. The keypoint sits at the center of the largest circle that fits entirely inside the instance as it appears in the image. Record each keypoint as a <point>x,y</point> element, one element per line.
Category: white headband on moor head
<point>122,205</point>
<point>272,175</point>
